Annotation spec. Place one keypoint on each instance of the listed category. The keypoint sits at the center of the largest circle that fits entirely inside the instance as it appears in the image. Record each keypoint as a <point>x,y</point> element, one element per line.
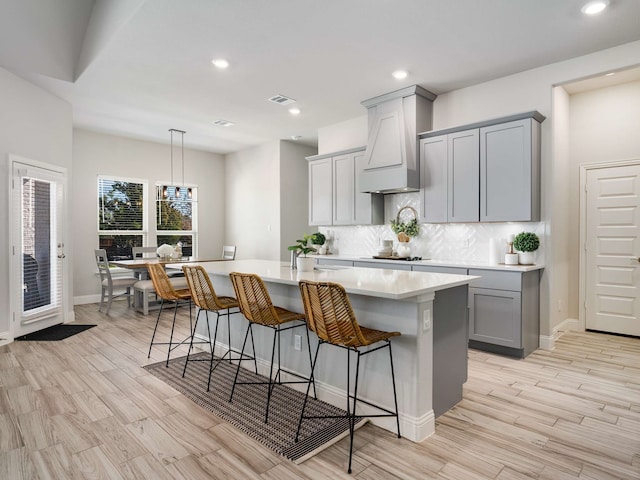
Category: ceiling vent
<point>281,100</point>
<point>223,123</point>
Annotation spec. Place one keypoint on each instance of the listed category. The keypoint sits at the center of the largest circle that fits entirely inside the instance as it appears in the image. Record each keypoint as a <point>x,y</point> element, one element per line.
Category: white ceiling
<point>139,67</point>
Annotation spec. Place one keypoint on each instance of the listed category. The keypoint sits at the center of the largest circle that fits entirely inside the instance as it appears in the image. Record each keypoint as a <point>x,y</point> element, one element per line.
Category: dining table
<point>143,289</point>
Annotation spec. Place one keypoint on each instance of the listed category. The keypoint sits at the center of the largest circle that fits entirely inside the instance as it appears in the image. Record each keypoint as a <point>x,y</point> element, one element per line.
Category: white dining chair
<point>109,285</point>
<point>229,252</point>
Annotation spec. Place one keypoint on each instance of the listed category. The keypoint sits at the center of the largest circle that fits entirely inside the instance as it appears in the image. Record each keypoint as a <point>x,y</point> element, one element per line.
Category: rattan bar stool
<point>331,317</point>
<point>205,298</point>
<point>256,305</point>
<point>167,293</point>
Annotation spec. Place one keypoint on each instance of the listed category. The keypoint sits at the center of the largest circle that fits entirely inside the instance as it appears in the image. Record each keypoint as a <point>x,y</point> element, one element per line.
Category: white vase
<point>305,264</point>
<point>403,250</point>
<point>526,258</point>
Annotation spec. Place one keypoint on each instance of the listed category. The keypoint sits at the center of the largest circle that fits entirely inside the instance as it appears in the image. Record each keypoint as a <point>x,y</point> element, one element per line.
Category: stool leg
<point>306,396</point>
<point>272,381</point>
<point>173,326</point>
<point>352,419</point>
<point>215,335</point>
<point>235,380</point>
<point>184,371</point>
<point>315,394</point>
<point>155,328</point>
<point>395,396</point>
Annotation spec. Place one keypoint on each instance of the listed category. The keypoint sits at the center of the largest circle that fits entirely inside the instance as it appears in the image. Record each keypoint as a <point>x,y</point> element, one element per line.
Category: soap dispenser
<point>510,258</point>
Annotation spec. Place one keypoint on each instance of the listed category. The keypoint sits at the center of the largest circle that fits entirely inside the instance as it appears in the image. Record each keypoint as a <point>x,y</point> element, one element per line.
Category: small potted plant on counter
<point>526,243</point>
<point>301,250</point>
<point>318,240</point>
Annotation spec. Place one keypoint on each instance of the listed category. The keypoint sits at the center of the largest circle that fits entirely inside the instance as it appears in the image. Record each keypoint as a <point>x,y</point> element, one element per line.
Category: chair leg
<point>173,326</point>
<point>155,328</point>
<point>102,290</point>
<point>244,343</point>
<point>215,335</point>
<point>352,419</point>
<point>395,395</point>
<point>186,361</point>
<point>315,394</point>
<point>272,381</point>
<point>109,301</point>
<point>306,397</point>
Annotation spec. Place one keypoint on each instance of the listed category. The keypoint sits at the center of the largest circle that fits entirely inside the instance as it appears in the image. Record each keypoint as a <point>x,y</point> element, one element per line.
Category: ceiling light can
<point>220,62</point>
<point>594,7</point>
<point>399,74</point>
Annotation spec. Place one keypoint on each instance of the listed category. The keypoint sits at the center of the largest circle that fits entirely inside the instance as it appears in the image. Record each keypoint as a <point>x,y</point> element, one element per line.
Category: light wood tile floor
<point>84,408</point>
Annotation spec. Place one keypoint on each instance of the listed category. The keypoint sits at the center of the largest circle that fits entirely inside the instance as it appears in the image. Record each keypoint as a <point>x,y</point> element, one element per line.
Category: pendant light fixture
<point>165,190</point>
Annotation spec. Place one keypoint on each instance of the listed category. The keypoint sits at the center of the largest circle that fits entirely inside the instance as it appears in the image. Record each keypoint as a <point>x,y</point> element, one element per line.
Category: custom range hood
<point>391,159</point>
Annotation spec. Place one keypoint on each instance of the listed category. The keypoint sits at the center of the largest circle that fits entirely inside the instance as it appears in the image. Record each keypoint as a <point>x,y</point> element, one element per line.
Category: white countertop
<point>377,282</point>
<point>438,263</point>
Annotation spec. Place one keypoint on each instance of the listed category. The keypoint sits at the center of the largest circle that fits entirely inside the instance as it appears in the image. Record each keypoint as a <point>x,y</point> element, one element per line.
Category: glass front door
<point>38,247</point>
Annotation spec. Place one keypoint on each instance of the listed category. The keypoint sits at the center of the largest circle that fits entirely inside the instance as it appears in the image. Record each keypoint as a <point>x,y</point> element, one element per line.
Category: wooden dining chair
<point>169,295</point>
<point>257,307</point>
<point>206,299</point>
<point>109,285</point>
<point>330,316</point>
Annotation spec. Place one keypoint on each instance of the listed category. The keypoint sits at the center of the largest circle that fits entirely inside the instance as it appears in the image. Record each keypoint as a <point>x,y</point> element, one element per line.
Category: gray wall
<point>36,125</point>
<point>100,154</point>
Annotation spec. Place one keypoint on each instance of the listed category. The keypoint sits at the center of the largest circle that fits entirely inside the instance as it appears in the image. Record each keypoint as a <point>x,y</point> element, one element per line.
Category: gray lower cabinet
<point>504,312</point>
<point>327,260</point>
<point>398,265</point>
<point>439,269</point>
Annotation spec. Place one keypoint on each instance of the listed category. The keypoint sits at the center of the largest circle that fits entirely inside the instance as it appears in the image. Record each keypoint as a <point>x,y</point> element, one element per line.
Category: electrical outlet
<point>297,339</point>
<point>426,320</point>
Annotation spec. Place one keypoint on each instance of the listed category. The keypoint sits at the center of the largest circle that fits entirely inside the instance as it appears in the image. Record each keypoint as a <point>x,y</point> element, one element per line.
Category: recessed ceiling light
<point>220,62</point>
<point>595,7</point>
<point>294,111</point>
<point>399,74</point>
<point>223,123</point>
<point>610,74</point>
<point>296,137</point>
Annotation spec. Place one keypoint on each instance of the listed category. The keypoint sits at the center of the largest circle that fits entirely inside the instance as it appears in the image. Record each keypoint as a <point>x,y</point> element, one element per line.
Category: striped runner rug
<point>247,410</point>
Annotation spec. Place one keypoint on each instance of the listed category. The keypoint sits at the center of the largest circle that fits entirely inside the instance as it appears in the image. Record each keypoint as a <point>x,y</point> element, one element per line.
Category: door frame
<point>584,169</point>
<point>14,269</point>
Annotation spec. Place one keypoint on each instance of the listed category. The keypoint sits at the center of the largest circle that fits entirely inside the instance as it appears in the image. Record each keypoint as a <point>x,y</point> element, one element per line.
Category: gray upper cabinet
<point>509,172</point>
<point>487,172</point>
<point>463,171</point>
<point>320,197</point>
<point>433,173</point>
<point>334,196</point>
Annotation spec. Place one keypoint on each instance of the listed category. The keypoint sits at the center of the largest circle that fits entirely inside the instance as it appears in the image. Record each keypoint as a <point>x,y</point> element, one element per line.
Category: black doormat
<point>57,332</point>
<point>248,407</point>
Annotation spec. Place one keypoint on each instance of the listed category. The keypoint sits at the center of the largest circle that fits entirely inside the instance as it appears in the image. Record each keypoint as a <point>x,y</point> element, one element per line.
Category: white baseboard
<point>412,428</point>
<point>85,299</point>
<point>548,342</point>
<point>5,338</point>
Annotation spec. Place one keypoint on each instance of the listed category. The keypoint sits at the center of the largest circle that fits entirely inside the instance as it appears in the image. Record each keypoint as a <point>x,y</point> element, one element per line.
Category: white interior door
<point>612,250</point>
<point>37,206</point>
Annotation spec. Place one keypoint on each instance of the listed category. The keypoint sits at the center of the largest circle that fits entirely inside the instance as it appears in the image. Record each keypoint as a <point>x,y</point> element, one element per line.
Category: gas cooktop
<point>406,259</point>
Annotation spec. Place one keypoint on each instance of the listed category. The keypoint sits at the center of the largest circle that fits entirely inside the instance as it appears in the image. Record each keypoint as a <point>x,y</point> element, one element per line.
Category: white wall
<point>100,154</point>
<point>529,90</point>
<point>252,203</point>
<point>36,125</point>
<point>604,127</point>
<point>294,193</point>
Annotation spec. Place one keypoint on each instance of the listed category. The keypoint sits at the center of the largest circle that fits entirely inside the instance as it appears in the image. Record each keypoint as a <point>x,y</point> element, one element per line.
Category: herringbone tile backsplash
<point>454,241</point>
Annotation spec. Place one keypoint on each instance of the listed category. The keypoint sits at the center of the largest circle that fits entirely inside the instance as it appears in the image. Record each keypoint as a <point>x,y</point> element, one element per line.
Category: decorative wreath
<point>406,230</point>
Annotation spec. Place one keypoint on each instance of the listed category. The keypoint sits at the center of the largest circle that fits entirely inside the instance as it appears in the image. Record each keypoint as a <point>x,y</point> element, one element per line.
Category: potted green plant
<point>319,240</point>
<point>301,249</point>
<point>526,243</point>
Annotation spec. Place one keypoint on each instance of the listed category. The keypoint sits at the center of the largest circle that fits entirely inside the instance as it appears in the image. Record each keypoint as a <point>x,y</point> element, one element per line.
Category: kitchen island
<point>430,357</point>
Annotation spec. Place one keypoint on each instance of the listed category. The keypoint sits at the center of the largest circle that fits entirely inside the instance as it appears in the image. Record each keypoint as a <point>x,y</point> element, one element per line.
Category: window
<point>122,220</point>
<point>176,213</point>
